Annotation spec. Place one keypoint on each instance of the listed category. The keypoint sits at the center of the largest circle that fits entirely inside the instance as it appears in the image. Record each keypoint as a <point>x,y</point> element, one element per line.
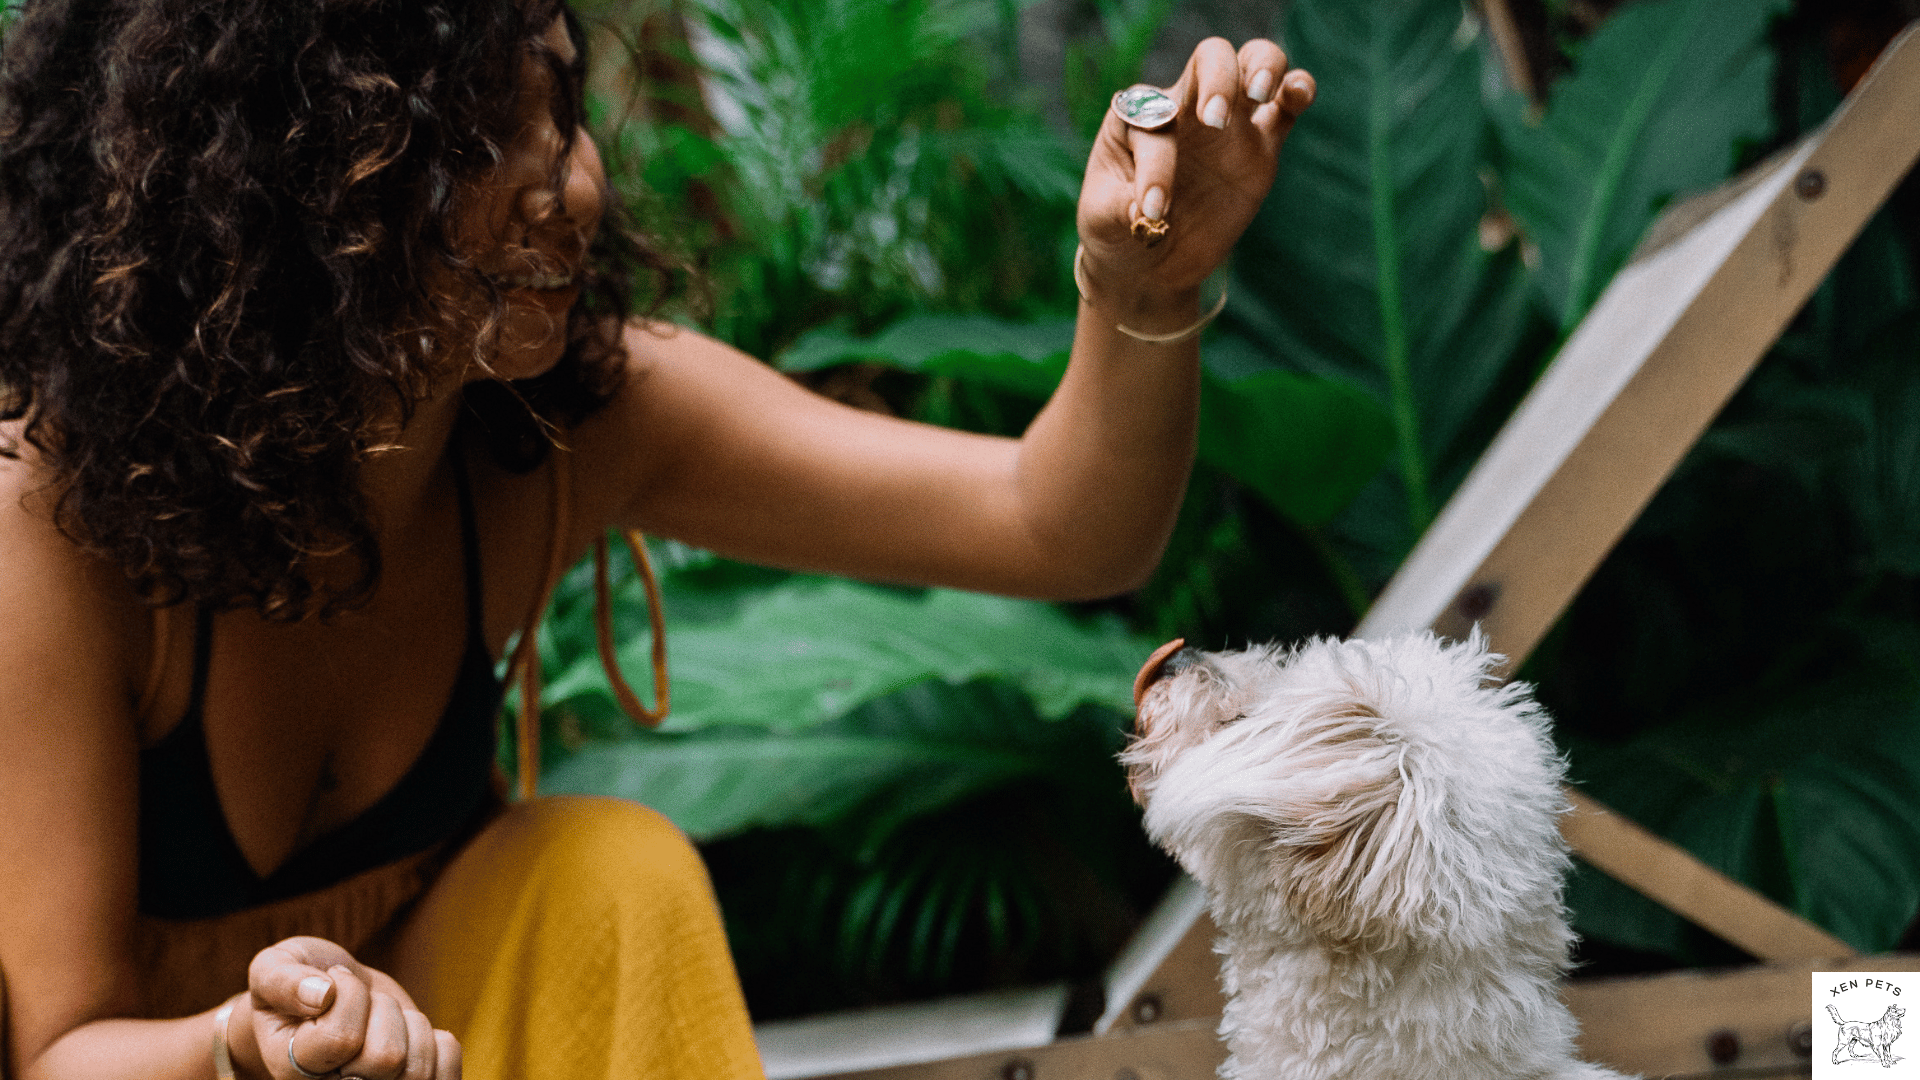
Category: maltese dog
<point>1375,824</point>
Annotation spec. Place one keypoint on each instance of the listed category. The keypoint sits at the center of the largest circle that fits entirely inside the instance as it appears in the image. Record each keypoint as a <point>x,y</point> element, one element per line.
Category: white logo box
<point>1862,1025</point>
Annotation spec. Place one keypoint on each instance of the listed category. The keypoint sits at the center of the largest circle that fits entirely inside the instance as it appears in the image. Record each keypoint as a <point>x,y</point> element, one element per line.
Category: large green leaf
<point>1307,445</point>
<point>1805,794</point>
<point>812,649</point>
<point>1020,358</point>
<point>1665,93</point>
<point>1365,265</point>
<point>890,760</point>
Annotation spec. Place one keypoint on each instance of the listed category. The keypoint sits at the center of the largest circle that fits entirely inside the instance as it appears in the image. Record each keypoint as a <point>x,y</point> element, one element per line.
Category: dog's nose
<point>1168,659</point>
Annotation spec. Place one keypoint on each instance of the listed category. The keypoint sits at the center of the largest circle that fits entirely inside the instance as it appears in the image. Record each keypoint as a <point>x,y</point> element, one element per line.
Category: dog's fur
<point>1876,1038</point>
<point>1375,824</point>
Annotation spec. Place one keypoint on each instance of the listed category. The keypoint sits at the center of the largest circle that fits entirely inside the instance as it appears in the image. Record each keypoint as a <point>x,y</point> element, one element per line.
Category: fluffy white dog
<point>1375,826</point>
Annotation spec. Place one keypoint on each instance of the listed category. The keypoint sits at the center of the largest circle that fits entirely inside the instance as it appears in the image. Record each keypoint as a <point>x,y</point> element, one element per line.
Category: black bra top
<point>190,865</point>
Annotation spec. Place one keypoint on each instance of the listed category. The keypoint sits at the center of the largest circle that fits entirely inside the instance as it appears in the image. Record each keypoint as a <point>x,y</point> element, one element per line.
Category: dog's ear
<point>1349,862</point>
<point>1298,810</point>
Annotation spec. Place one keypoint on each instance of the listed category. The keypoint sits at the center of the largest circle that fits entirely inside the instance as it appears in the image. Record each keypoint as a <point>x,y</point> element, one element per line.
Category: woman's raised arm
<point>713,448</point>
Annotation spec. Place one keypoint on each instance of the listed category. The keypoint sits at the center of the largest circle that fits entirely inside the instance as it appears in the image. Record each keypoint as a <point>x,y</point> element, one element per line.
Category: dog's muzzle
<point>1169,659</point>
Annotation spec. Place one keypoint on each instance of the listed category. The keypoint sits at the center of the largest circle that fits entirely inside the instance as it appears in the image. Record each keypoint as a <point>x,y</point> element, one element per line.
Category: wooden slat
<point>1671,339</point>
<point>1662,1025</point>
<point>1168,971</point>
<point>1670,876</point>
<point>1185,1050</point>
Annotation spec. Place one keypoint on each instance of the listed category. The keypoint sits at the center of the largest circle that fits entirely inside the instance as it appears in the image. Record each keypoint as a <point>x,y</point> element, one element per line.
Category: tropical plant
<point>891,781</point>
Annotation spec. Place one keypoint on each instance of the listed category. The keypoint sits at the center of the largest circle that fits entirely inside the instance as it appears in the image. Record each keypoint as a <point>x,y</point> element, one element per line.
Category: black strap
<point>202,659</point>
<point>469,546</point>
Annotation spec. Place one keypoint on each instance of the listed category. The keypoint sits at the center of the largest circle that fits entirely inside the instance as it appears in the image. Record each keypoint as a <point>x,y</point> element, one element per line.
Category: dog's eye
<point>1234,719</point>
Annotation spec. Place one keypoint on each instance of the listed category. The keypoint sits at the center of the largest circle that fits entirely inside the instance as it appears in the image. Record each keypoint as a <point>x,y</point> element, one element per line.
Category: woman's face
<point>528,238</point>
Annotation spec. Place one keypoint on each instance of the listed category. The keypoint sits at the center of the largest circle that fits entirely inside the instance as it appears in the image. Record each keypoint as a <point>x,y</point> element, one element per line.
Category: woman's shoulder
<point>69,613</point>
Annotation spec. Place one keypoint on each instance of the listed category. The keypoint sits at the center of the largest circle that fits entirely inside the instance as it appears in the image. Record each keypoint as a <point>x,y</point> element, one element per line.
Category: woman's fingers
<point>337,1036</point>
<point>422,1050</point>
<point>291,977</point>
<point>383,1052</point>
<point>1261,66</point>
<point>448,1067</point>
<point>1215,73</point>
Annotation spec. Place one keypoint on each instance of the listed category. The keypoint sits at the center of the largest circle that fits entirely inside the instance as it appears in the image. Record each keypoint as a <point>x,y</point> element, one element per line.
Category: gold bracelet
<point>222,1059</point>
<point>1080,283</point>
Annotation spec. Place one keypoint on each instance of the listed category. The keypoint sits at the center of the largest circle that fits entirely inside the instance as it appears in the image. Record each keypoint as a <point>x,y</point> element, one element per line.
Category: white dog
<point>1375,826</point>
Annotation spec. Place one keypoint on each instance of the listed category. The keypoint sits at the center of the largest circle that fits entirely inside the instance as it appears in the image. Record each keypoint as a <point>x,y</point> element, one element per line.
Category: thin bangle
<point>222,1057</point>
<point>1080,283</point>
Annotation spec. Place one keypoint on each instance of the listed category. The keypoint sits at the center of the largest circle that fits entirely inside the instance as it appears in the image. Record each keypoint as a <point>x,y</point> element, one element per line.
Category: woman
<point>309,325</point>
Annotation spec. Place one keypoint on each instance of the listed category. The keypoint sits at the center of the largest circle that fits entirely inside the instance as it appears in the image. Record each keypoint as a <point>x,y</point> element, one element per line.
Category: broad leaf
<point>1365,265</point>
<point>812,649</point>
<point>1021,358</point>
<point>1306,445</point>
<point>1665,93</point>
<point>1806,795</point>
<point>893,759</point>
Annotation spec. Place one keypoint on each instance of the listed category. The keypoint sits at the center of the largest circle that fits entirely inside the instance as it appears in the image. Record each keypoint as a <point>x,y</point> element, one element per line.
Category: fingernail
<point>312,991</point>
<point>1154,206</point>
<point>1215,114</point>
<point>1261,88</point>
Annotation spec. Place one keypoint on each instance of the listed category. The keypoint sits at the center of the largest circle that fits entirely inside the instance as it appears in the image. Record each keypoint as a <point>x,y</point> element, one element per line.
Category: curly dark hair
<point>218,219</point>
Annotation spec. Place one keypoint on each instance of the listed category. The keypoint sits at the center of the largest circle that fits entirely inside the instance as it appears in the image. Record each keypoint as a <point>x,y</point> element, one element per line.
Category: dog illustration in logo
<point>1859,1039</point>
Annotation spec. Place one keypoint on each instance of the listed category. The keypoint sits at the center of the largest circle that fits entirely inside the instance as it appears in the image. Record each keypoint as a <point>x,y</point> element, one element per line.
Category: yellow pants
<point>573,939</point>
<point>578,938</point>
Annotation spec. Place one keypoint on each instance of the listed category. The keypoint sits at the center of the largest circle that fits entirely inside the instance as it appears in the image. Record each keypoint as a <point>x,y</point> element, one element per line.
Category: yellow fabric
<point>578,938</point>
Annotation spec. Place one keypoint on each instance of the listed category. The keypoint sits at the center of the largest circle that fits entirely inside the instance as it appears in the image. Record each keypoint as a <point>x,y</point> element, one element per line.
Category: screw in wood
<point>1800,1039</point>
<point>1017,1069</point>
<point>1147,1008</point>
<point>1476,602</point>
<point>1723,1047</point>
<point>1810,185</point>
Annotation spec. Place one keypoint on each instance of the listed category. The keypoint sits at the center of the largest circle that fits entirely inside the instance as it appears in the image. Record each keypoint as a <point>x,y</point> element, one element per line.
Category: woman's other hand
<point>1203,176</point>
<point>339,1016</point>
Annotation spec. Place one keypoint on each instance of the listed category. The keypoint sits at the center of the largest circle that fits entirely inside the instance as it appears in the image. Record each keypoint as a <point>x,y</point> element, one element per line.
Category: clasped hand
<point>1204,175</point>
<point>338,1016</point>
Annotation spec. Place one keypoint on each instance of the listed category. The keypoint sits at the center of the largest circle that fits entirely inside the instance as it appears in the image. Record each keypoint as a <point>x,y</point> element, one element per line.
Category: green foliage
<point>1095,69</point>
<point>809,649</point>
<point>1622,135</point>
<point>861,165</point>
<point>1365,266</point>
<point>911,792</point>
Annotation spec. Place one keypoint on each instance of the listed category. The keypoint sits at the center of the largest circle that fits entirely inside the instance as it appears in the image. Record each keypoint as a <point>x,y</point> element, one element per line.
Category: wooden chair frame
<point>1658,356</point>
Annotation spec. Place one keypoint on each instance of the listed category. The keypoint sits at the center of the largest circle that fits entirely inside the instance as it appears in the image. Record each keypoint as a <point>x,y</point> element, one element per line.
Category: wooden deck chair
<point>1677,331</point>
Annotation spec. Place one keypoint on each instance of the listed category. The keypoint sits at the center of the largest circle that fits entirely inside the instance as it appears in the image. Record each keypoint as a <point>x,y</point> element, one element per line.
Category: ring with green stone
<point>1145,107</point>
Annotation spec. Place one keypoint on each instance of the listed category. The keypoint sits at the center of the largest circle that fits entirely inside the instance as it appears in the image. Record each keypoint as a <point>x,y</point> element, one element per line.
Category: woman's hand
<point>339,1016</point>
<point>1203,176</point>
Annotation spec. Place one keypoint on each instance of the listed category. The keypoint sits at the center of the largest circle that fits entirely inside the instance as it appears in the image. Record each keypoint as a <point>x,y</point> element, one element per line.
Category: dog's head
<point>1368,792</point>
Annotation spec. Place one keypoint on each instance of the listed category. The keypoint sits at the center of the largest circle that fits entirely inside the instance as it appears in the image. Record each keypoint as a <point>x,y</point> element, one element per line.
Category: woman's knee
<point>597,843</point>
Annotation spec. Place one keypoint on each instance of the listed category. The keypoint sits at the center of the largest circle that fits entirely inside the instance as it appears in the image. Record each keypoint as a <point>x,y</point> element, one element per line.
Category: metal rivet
<point>1477,601</point>
<point>1723,1047</point>
<point>1810,185</point>
<point>1017,1069</point>
<point>1146,1008</point>
<point>1800,1039</point>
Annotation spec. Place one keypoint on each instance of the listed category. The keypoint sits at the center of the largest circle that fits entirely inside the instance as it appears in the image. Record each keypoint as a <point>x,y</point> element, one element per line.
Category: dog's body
<point>1859,1039</point>
<point>1375,824</point>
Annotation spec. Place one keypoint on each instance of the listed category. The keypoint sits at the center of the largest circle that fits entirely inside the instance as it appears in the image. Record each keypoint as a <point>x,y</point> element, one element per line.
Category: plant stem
<point>1386,250</point>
